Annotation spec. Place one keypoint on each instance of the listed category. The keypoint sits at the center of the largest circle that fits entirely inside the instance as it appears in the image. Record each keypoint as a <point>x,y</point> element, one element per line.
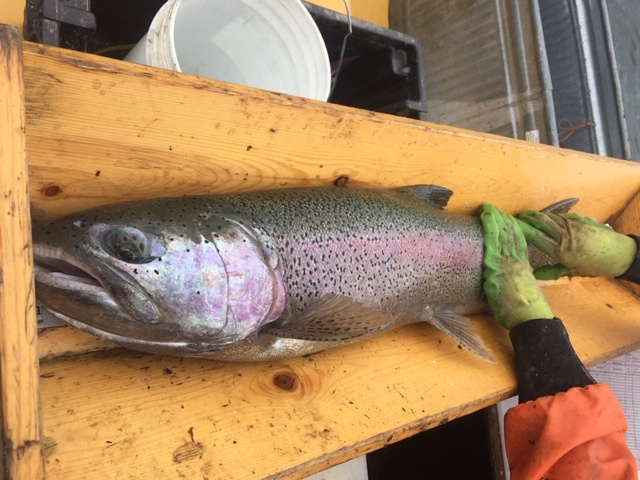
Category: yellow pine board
<point>21,435</point>
<point>102,131</point>
<point>58,341</point>
<point>373,11</point>
<point>125,414</point>
<point>12,12</point>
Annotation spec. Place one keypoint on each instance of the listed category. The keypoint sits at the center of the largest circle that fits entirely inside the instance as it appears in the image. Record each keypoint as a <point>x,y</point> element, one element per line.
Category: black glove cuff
<point>633,273</point>
<point>546,362</point>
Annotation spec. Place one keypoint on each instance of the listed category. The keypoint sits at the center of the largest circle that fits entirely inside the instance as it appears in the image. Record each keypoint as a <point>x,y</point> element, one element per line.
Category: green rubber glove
<point>512,291</point>
<point>580,245</point>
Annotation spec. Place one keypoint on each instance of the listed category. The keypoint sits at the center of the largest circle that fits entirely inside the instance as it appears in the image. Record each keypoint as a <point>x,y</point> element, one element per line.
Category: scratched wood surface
<point>21,428</point>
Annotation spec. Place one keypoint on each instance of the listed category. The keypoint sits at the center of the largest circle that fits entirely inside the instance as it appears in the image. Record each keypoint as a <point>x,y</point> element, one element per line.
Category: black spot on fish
<point>156,272</point>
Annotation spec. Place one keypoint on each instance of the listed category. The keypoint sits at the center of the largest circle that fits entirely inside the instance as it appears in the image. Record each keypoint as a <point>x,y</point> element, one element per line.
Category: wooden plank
<point>373,11</point>
<point>298,416</point>
<point>65,341</point>
<point>21,429</point>
<point>101,131</point>
<point>12,12</point>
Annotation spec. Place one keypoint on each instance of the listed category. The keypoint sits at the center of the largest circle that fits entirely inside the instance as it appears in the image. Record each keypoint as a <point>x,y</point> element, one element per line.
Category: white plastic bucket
<point>269,44</point>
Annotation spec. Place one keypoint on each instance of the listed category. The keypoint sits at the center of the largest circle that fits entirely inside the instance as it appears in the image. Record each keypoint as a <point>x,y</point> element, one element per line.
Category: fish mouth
<point>59,274</point>
<point>61,271</point>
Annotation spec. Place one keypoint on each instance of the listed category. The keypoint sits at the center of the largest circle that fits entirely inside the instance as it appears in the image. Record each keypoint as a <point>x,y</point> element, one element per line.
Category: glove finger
<point>505,237</point>
<point>537,239</point>
<point>518,239</point>
<point>551,272</point>
<point>492,244</point>
<point>496,229</point>
<point>547,223</point>
<point>586,220</point>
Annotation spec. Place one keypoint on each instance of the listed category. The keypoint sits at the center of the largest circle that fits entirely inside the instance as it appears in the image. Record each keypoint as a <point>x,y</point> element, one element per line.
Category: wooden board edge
<point>21,421</point>
<point>12,12</point>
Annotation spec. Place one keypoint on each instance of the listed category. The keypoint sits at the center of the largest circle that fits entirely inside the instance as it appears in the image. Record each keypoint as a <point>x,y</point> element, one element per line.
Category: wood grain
<point>12,12</point>
<point>372,11</point>
<point>21,428</point>
<point>102,131</point>
<point>66,341</point>
<point>298,416</point>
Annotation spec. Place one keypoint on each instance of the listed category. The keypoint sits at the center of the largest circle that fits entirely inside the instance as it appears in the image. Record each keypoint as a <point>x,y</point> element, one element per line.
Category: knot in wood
<point>51,190</point>
<point>285,381</point>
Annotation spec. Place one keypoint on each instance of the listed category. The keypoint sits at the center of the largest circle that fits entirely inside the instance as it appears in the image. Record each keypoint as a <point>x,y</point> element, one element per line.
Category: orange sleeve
<point>577,434</point>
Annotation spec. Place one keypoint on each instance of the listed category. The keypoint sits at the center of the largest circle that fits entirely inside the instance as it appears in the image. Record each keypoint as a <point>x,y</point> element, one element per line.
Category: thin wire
<point>334,78</point>
<point>114,48</point>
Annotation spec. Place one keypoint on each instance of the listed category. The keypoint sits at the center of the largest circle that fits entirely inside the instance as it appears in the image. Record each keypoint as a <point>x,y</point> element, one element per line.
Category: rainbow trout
<point>264,275</point>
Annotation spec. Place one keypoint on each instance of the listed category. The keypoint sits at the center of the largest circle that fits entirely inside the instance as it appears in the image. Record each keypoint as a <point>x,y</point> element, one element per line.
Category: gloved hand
<point>581,246</point>
<point>512,291</point>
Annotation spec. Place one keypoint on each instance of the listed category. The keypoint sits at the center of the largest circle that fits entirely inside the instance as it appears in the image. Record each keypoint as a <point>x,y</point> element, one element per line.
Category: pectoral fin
<point>461,330</point>
<point>333,318</point>
<point>337,320</point>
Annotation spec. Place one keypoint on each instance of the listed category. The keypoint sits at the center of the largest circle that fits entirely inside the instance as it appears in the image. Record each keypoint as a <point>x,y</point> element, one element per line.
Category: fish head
<point>155,284</point>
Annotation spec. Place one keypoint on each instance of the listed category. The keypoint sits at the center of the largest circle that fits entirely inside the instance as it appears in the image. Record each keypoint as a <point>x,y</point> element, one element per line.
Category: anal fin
<point>461,330</point>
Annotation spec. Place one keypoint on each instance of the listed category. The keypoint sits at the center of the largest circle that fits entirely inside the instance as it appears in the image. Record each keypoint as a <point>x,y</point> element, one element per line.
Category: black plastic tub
<point>381,70</point>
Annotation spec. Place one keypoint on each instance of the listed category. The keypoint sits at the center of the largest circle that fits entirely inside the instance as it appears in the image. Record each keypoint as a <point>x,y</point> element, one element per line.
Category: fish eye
<point>128,244</point>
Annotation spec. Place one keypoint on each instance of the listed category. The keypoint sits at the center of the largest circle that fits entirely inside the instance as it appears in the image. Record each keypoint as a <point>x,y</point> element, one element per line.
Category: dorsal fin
<point>434,195</point>
<point>562,206</point>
